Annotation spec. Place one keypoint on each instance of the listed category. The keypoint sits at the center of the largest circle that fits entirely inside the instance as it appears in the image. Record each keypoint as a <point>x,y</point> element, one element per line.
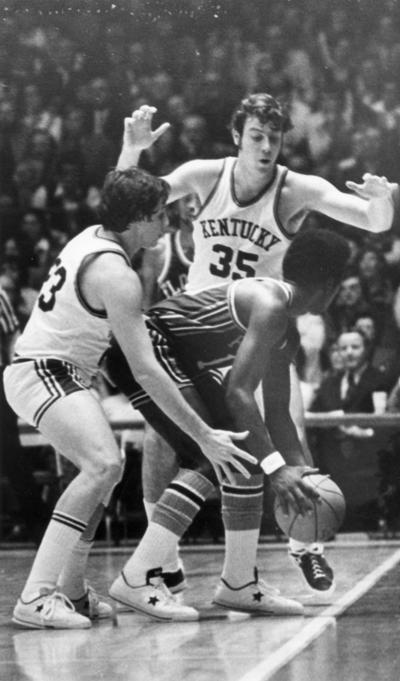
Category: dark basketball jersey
<point>193,334</point>
<point>204,328</point>
<point>173,276</point>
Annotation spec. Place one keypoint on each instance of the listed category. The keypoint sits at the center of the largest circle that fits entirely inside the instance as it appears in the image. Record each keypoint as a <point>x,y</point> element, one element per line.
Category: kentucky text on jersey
<point>242,229</point>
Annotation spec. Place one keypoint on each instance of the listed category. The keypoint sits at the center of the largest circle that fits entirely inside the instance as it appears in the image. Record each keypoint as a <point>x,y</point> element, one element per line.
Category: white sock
<point>152,552</point>
<point>72,578</point>
<point>299,547</point>
<point>53,553</point>
<point>172,562</point>
<point>240,556</point>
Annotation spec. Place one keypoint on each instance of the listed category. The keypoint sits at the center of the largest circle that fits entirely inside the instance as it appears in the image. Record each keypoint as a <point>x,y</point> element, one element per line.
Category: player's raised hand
<point>226,458</point>
<point>137,129</point>
<point>373,186</point>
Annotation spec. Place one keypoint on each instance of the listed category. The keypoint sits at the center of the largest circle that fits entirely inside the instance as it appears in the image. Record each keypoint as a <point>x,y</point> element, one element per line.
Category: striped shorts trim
<point>119,373</point>
<point>34,385</point>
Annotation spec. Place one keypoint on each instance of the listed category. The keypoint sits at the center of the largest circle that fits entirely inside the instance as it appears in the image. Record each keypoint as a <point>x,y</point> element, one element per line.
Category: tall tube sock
<point>172,561</point>
<point>172,515</point>
<point>242,505</point>
<point>72,578</point>
<point>62,534</point>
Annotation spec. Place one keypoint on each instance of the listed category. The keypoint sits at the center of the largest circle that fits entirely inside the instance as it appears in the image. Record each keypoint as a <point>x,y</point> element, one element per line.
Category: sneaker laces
<point>51,602</point>
<point>315,565</point>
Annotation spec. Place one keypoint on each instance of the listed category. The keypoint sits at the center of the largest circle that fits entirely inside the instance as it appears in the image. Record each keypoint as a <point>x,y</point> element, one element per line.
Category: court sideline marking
<point>270,665</point>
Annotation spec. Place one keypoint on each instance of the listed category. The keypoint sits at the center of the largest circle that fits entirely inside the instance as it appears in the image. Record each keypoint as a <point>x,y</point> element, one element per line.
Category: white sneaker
<point>49,610</point>
<point>91,605</point>
<point>152,598</point>
<point>256,598</point>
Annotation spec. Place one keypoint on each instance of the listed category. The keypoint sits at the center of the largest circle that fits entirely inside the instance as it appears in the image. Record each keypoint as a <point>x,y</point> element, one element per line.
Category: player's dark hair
<point>266,108</point>
<point>315,255</point>
<point>128,196</point>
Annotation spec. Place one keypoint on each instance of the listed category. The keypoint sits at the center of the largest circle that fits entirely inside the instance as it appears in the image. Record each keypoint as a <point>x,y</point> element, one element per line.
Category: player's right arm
<point>194,177</point>
<point>118,290</point>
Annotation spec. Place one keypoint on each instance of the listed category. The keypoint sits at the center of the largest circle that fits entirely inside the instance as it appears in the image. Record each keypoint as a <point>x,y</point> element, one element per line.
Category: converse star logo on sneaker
<point>39,608</point>
<point>258,596</point>
<point>153,600</point>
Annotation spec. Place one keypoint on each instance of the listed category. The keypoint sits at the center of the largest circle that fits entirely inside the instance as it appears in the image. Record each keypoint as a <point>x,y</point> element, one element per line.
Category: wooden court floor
<point>354,638</point>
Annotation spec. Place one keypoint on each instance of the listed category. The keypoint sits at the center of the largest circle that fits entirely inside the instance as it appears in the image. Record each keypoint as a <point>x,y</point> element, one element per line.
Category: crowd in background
<point>68,79</point>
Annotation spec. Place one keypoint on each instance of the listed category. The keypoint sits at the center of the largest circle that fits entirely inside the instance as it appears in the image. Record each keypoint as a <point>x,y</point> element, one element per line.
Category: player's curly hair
<point>315,255</point>
<point>128,196</point>
<point>266,108</point>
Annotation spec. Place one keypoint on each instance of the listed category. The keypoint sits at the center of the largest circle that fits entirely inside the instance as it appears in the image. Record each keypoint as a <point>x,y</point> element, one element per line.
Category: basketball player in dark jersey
<point>247,325</point>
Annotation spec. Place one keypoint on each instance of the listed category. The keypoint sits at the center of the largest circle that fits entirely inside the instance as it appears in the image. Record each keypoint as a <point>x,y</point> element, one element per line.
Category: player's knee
<point>107,472</point>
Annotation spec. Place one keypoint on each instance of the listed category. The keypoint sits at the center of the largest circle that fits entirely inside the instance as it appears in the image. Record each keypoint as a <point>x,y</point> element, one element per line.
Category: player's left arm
<point>371,207</point>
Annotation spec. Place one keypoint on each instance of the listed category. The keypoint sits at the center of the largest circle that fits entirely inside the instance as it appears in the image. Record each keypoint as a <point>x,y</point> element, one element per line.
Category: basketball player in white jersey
<point>250,209</point>
<point>90,292</point>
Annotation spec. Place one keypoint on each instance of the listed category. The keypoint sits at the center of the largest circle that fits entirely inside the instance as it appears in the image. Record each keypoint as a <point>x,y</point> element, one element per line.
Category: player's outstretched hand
<point>226,458</point>
<point>292,489</point>
<point>373,187</point>
<point>137,129</point>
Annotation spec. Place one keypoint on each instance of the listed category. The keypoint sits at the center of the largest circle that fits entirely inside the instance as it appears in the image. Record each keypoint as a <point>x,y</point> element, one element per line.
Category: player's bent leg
<point>240,587</point>
<point>159,467</point>
<point>90,445</point>
<point>316,572</point>
<point>140,585</point>
<point>142,574</point>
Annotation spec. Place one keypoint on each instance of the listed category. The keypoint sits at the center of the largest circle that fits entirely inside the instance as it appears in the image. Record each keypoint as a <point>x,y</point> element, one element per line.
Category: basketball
<point>326,518</point>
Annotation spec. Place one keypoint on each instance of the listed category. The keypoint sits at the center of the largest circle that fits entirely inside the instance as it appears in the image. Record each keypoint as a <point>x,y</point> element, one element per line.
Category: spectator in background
<point>348,304</point>
<point>7,138</point>
<point>335,360</point>
<point>195,137</point>
<point>103,117</point>
<point>327,131</point>
<point>367,156</point>
<point>68,205</point>
<point>41,147</point>
<point>29,190</point>
<point>34,245</point>
<point>347,452</point>
<point>384,349</point>
<point>375,282</point>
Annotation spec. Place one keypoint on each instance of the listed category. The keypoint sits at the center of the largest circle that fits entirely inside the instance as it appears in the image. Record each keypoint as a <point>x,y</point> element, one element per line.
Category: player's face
<point>259,146</point>
<point>152,229</point>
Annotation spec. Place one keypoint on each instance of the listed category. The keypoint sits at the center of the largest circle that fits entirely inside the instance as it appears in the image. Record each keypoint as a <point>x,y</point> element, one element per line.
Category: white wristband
<point>272,463</point>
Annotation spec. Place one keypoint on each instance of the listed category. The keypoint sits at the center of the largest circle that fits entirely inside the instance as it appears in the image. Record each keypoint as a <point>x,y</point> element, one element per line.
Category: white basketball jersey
<point>234,240</point>
<point>62,325</point>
